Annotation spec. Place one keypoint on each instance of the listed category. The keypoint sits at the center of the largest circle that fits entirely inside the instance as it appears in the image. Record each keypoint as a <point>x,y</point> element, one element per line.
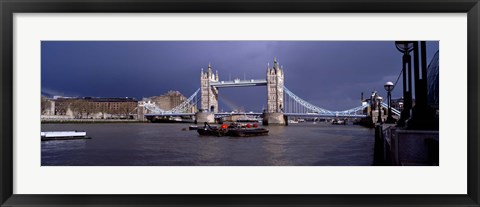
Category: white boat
<point>62,135</point>
<point>292,122</point>
<point>339,122</point>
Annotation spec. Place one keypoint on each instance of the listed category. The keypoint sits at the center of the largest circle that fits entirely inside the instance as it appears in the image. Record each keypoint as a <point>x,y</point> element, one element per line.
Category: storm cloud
<point>328,74</point>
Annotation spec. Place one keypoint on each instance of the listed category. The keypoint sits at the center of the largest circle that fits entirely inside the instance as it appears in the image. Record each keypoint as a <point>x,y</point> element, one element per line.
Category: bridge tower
<point>275,81</point>
<point>209,94</point>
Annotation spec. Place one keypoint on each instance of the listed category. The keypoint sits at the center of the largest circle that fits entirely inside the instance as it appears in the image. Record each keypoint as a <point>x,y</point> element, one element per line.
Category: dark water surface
<point>148,144</point>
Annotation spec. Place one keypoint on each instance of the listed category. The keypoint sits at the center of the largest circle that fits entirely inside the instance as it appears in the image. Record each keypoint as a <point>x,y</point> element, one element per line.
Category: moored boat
<point>339,122</point>
<point>63,135</point>
<point>292,122</point>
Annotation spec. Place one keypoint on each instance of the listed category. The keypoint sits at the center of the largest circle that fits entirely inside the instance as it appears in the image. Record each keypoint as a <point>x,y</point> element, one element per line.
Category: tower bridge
<point>210,83</point>
<point>281,102</point>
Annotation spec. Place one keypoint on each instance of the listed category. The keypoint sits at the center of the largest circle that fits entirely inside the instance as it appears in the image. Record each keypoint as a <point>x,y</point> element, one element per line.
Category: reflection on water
<point>147,144</point>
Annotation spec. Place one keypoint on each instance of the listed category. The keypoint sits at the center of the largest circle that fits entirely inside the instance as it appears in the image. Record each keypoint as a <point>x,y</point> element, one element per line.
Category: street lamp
<point>389,87</point>
<point>406,47</point>
<point>372,103</point>
<point>379,101</point>
<point>423,117</point>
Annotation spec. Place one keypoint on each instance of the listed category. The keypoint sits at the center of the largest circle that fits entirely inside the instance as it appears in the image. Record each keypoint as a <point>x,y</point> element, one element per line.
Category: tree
<point>126,108</point>
<point>77,107</point>
<point>105,109</point>
<point>45,104</point>
<point>61,107</point>
<point>88,108</point>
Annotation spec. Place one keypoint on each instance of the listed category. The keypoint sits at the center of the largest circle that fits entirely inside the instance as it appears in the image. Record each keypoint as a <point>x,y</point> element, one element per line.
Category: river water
<point>151,144</point>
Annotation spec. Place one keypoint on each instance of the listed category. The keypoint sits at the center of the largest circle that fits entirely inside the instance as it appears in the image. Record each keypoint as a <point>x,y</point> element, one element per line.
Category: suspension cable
<point>398,78</point>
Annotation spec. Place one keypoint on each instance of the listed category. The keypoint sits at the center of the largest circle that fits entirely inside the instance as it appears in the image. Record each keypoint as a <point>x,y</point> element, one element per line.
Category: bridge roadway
<point>325,115</point>
<point>258,114</point>
<point>239,83</point>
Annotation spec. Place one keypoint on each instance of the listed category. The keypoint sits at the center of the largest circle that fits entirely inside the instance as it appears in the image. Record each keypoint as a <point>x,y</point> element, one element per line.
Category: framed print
<point>239,103</point>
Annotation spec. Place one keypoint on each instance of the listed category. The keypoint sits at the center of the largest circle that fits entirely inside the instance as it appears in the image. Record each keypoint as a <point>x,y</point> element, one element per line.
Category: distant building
<point>169,100</point>
<point>90,107</point>
<point>397,103</point>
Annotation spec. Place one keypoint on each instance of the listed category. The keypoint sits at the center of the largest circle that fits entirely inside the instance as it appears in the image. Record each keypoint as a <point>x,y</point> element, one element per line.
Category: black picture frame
<point>9,7</point>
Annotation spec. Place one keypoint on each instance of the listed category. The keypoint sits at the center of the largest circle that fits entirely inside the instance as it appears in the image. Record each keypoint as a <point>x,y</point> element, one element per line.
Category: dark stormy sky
<point>327,74</point>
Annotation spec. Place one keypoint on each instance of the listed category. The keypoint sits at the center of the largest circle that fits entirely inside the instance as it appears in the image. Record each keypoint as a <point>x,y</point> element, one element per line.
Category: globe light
<point>388,86</point>
<point>404,46</point>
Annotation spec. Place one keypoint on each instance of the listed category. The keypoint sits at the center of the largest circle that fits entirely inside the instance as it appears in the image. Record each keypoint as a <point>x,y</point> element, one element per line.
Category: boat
<point>247,132</point>
<point>234,130</point>
<point>208,130</point>
<point>339,122</point>
<point>292,122</point>
<point>63,135</point>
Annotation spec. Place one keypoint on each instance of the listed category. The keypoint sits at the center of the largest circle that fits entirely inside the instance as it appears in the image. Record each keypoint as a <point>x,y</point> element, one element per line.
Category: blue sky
<point>328,74</point>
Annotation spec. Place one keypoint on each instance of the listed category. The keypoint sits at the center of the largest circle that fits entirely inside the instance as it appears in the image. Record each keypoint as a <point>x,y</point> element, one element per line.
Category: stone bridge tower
<point>275,81</point>
<point>209,95</point>
<point>275,88</point>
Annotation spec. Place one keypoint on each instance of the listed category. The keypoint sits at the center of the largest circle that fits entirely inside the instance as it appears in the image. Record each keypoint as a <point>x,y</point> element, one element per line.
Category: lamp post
<point>389,87</point>
<point>423,116</point>
<point>406,47</point>
<point>379,101</point>
<point>372,103</point>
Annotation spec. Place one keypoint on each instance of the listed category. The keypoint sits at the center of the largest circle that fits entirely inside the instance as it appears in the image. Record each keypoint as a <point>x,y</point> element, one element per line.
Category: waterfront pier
<point>414,139</point>
<point>399,146</point>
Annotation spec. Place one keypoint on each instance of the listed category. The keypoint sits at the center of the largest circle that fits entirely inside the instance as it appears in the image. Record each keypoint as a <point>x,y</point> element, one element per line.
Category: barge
<point>233,130</point>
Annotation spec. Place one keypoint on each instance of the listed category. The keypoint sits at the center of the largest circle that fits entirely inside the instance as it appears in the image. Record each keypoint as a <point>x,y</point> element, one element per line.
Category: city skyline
<point>328,74</point>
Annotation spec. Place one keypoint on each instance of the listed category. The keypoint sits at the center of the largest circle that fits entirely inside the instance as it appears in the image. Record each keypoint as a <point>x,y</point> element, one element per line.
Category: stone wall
<point>411,147</point>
